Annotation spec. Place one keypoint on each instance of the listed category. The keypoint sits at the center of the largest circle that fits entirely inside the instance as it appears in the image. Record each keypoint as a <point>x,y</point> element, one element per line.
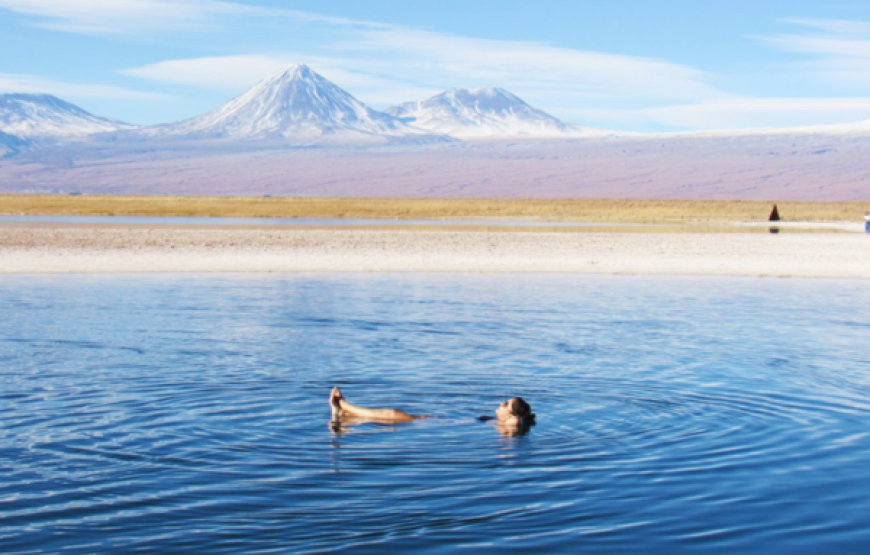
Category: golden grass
<point>578,210</point>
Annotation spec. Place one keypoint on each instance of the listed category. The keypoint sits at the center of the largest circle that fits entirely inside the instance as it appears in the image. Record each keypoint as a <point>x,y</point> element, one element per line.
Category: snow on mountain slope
<point>9,140</point>
<point>42,116</point>
<point>484,113</point>
<point>296,104</point>
<point>9,143</point>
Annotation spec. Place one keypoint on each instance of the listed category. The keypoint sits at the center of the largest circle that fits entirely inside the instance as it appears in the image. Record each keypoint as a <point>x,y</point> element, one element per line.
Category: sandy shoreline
<point>102,249</point>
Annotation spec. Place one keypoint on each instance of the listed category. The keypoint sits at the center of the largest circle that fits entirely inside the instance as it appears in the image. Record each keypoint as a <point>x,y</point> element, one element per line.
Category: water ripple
<point>195,419</point>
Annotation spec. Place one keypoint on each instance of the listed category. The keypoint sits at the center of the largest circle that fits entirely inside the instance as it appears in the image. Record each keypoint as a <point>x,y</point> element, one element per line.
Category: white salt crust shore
<point>100,249</point>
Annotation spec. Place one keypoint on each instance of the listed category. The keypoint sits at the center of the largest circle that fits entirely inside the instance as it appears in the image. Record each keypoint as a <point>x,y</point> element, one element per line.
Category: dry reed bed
<point>581,210</point>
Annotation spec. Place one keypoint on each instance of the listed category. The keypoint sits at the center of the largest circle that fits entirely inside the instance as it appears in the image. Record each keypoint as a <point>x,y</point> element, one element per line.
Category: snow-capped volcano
<point>9,143</point>
<point>42,116</point>
<point>296,103</point>
<point>484,112</point>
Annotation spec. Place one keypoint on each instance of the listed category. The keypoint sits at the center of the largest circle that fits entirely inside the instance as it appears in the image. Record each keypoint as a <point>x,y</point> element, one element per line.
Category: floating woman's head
<point>515,408</point>
<point>514,417</point>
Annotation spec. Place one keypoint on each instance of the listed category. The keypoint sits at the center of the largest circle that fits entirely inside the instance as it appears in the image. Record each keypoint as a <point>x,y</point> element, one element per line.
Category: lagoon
<point>188,414</point>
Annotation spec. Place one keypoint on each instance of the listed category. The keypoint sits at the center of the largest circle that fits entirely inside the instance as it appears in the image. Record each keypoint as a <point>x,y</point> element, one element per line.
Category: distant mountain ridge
<point>483,112</point>
<point>295,104</point>
<point>258,143</point>
<point>43,116</point>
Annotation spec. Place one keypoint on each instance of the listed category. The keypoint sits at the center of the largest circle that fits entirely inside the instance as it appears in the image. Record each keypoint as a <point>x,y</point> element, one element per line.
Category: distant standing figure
<point>866,222</point>
<point>774,214</point>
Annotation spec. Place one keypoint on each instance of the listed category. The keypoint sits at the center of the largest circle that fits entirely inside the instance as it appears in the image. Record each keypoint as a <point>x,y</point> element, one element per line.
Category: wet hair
<point>521,408</point>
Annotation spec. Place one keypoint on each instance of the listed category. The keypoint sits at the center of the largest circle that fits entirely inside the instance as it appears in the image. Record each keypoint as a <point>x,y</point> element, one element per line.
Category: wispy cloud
<point>754,112</point>
<point>381,64</point>
<point>122,16</point>
<point>386,64</point>
<point>234,74</point>
<point>528,67</point>
<point>137,16</point>
<point>837,50</point>
<point>389,65</point>
<point>23,83</point>
<point>736,112</point>
<point>220,73</point>
<point>832,26</point>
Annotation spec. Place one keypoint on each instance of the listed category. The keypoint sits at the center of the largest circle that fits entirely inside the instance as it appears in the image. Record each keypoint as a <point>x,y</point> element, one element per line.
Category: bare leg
<point>342,407</point>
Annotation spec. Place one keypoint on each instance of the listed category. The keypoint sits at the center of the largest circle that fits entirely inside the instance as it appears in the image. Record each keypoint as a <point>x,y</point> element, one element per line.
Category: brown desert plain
<point>815,166</point>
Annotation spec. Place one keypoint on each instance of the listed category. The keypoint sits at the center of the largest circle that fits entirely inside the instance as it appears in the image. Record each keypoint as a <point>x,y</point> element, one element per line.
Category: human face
<point>505,410</point>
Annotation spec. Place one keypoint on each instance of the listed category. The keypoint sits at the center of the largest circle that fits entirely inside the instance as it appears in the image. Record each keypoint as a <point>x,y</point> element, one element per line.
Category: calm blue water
<point>188,414</point>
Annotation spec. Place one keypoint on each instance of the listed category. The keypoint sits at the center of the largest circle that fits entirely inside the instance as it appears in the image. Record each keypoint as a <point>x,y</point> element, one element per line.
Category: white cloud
<point>533,69</point>
<point>833,26</point>
<point>23,83</point>
<point>386,66</point>
<point>836,50</point>
<point>234,74</point>
<point>382,64</point>
<point>126,16</point>
<point>221,73</point>
<point>122,16</point>
<point>828,46</point>
<point>748,112</point>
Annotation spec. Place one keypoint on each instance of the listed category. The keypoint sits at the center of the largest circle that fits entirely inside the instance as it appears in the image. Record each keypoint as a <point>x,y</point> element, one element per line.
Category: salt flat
<point>110,249</point>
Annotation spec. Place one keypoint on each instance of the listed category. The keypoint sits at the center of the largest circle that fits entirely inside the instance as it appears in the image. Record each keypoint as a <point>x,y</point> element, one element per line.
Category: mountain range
<point>460,143</point>
<point>483,113</point>
<point>42,116</point>
<point>299,106</point>
<point>296,104</point>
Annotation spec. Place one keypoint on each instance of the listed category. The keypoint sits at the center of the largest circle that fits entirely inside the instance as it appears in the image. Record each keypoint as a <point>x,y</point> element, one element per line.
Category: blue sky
<point>642,65</point>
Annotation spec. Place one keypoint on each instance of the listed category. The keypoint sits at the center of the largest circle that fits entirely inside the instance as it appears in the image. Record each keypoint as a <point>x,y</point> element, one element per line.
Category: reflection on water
<point>189,414</point>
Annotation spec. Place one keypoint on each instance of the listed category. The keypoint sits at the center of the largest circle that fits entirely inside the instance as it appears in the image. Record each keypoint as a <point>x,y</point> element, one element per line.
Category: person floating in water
<point>513,417</point>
